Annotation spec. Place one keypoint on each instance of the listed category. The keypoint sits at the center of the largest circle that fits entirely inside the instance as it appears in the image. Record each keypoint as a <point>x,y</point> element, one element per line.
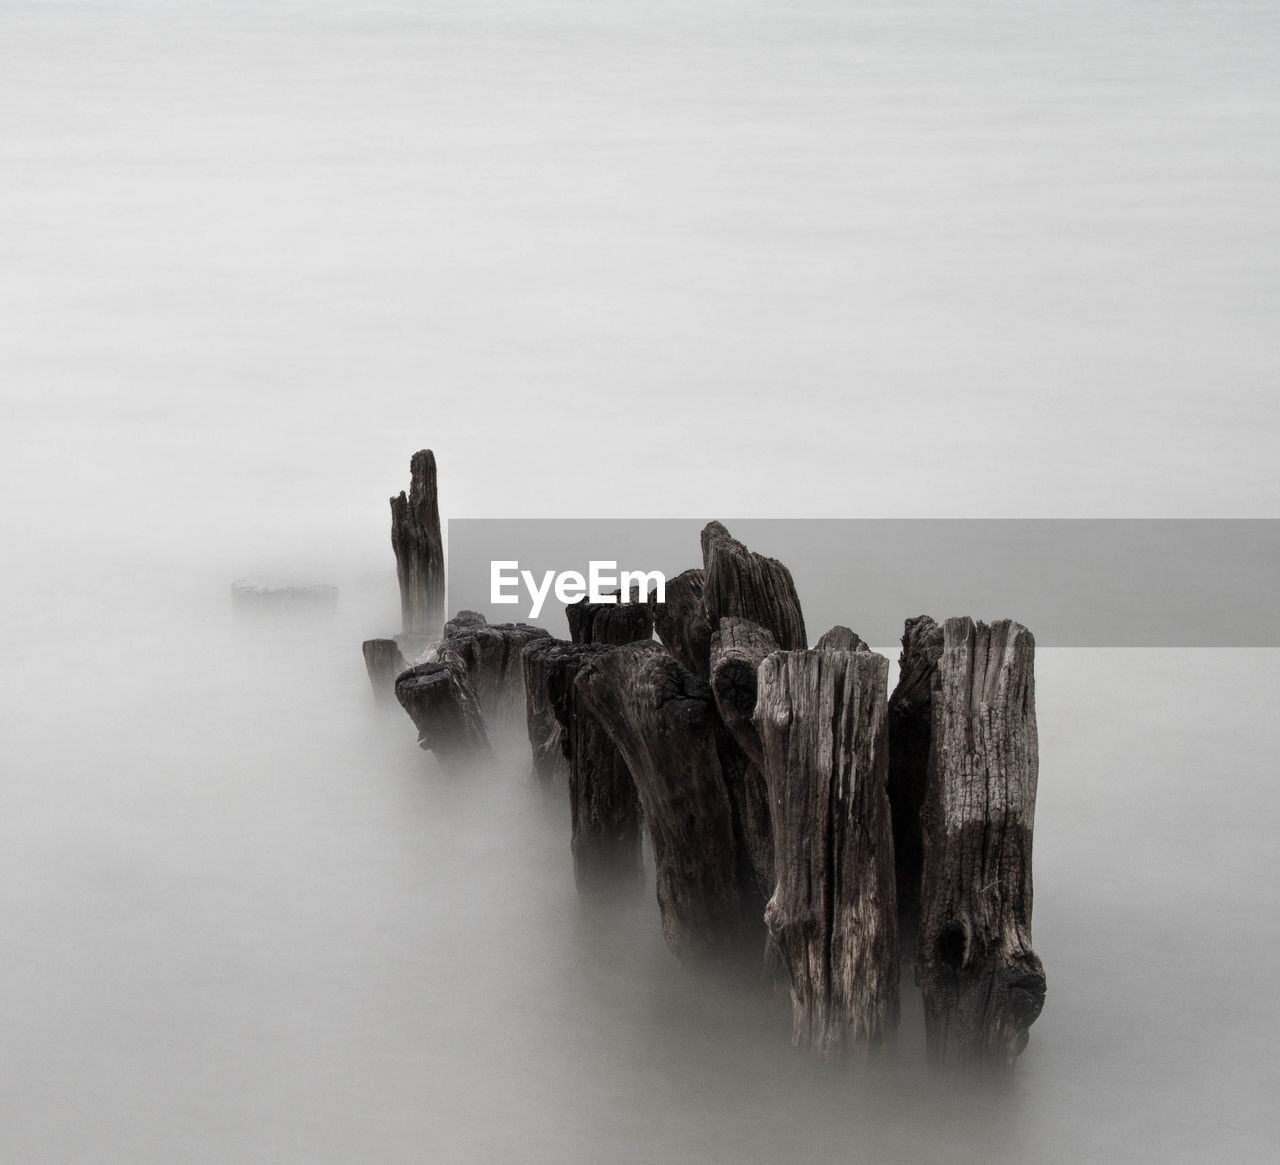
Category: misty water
<point>638,260</point>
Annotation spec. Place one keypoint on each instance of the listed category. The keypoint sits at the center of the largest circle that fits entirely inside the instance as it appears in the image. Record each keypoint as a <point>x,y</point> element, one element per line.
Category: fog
<point>821,259</point>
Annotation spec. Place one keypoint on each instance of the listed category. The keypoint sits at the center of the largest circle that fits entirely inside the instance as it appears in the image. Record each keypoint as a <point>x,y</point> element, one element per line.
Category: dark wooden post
<point>419,549</point>
<point>490,657</point>
<point>983,984</point>
<point>737,649</point>
<point>910,730</point>
<point>840,638</point>
<point>383,662</point>
<point>681,622</point>
<point>832,918</point>
<point>603,805</point>
<point>740,582</point>
<point>445,711</point>
<point>549,761</point>
<point>663,720</point>
<point>618,623</point>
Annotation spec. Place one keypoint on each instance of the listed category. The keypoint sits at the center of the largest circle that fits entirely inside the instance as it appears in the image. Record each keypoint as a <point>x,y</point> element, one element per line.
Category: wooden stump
<point>737,649</point>
<point>618,623</point>
<point>603,805</point>
<point>462,622</point>
<point>833,918</point>
<point>681,622</point>
<point>445,711</point>
<point>663,720</point>
<point>419,549</point>
<point>910,731</point>
<point>749,585</point>
<point>383,662</point>
<point>490,657</point>
<point>983,984</point>
<point>840,638</point>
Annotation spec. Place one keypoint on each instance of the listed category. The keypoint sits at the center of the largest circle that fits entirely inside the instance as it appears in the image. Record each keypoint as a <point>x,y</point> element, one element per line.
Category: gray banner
<point>1074,582</point>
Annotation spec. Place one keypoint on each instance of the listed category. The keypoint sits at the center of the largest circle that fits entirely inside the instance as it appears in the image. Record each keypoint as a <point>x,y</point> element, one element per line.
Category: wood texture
<point>833,916</point>
<point>383,662</point>
<point>739,582</point>
<point>549,758</point>
<point>841,638</point>
<point>617,623</point>
<point>910,731</point>
<point>604,809</point>
<point>983,985</point>
<point>444,709</point>
<point>419,549</point>
<point>664,722</point>
<point>490,657</point>
<point>681,622</point>
<point>737,649</point>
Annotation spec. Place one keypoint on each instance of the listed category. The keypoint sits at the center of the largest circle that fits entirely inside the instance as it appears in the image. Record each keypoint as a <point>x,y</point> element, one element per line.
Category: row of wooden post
<point>796,810</point>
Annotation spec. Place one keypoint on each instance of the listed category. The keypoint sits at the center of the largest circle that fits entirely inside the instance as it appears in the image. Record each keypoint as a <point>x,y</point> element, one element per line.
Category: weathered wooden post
<point>664,722</point>
<point>681,622</point>
<point>445,711</point>
<point>910,731</point>
<point>604,808</point>
<point>419,549</point>
<point>383,662</point>
<point>490,657</point>
<point>549,761</point>
<point>737,649</point>
<point>833,917</point>
<point>841,638</point>
<point>617,623</point>
<point>740,582</point>
<point>983,984</point>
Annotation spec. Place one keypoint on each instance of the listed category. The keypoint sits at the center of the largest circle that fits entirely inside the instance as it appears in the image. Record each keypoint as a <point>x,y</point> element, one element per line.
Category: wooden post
<point>740,582</point>
<point>983,984</point>
<point>419,549</point>
<point>618,623</point>
<point>603,806</point>
<point>445,711</point>
<point>737,649</point>
<point>383,662</point>
<point>663,720</point>
<point>840,638</point>
<point>490,657</point>
<point>910,731</point>
<point>549,762</point>
<point>462,622</point>
<point>681,622</point>
<point>833,918</point>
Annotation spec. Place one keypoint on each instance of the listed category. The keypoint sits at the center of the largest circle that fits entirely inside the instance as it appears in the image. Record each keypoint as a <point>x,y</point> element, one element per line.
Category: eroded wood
<point>664,722</point>
<point>490,656</point>
<point>604,808</point>
<point>681,622</point>
<point>737,649</point>
<point>982,982</point>
<point>833,915</point>
<point>383,662</point>
<point>419,549</point>
<point>739,582</point>
<point>910,731</point>
<point>444,709</point>
<point>616,623</point>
